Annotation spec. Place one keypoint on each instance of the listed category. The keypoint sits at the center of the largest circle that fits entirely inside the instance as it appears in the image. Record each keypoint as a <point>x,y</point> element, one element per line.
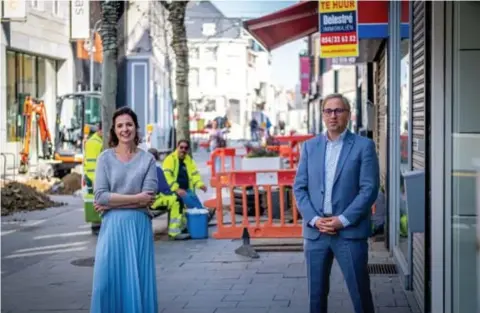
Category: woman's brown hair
<point>113,140</point>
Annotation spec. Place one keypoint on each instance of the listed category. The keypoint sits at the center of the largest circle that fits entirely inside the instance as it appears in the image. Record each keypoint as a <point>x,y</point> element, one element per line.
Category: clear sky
<point>285,63</point>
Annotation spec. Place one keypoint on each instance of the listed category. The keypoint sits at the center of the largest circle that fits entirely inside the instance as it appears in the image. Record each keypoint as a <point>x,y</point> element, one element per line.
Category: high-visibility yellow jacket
<point>170,169</point>
<point>93,148</point>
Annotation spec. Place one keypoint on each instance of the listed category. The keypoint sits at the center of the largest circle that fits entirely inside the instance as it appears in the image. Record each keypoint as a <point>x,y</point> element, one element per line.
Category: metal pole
<point>92,48</point>
<point>394,59</point>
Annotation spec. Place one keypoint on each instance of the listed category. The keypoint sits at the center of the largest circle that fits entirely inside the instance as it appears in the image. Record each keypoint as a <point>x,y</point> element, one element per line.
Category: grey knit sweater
<point>126,178</point>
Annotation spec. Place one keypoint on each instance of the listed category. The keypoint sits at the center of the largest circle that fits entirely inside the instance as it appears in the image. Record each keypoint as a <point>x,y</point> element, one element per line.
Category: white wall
<point>46,34</point>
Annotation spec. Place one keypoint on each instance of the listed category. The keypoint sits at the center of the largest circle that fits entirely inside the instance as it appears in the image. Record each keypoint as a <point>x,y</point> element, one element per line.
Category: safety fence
<point>288,147</point>
<point>228,159</point>
<point>260,203</point>
<point>224,160</point>
<point>256,202</point>
<point>200,138</point>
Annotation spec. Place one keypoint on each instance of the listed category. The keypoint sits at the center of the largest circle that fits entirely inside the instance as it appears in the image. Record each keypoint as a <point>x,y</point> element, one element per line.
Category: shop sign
<point>344,61</point>
<point>304,74</point>
<point>14,9</point>
<point>80,22</point>
<point>338,25</point>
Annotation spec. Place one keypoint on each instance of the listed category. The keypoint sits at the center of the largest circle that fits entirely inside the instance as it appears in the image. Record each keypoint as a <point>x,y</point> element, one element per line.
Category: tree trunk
<point>179,45</point>
<point>108,33</point>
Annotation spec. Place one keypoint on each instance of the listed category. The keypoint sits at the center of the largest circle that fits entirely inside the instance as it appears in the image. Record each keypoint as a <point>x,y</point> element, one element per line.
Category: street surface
<point>203,276</point>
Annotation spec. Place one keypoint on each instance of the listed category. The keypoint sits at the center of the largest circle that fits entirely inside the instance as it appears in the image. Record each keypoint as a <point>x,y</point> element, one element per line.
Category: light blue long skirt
<point>124,278</point>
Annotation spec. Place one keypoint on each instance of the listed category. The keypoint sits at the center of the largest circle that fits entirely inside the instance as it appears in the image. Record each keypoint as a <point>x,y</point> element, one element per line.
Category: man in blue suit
<point>336,184</point>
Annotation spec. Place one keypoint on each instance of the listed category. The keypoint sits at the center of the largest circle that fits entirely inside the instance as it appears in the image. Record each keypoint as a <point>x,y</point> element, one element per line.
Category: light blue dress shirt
<point>332,155</point>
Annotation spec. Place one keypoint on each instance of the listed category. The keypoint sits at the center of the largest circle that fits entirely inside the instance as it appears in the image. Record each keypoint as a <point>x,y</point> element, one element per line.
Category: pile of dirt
<point>41,185</point>
<point>17,197</point>
<point>68,185</point>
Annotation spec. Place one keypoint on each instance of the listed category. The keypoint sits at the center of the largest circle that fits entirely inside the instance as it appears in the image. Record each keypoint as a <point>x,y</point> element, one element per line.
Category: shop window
<point>41,78</point>
<point>26,76</point>
<point>462,184</point>
<point>13,109</point>
<point>404,142</point>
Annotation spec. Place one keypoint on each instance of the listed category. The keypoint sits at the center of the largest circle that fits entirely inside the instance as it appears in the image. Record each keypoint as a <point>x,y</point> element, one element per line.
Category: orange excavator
<point>35,110</point>
<point>80,115</point>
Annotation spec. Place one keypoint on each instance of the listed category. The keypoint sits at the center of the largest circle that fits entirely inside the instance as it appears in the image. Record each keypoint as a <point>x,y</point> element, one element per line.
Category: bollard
<point>4,155</point>
<point>246,248</point>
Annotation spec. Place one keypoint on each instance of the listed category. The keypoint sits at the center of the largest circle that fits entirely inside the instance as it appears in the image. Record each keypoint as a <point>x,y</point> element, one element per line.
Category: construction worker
<point>165,198</point>
<point>93,148</point>
<point>183,178</point>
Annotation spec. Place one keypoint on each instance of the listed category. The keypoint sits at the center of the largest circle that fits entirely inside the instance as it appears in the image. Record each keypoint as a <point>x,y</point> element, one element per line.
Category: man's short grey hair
<point>339,96</point>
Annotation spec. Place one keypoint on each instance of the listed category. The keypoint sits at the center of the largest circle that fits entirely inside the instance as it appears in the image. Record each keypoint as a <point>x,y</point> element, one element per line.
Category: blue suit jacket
<point>355,185</point>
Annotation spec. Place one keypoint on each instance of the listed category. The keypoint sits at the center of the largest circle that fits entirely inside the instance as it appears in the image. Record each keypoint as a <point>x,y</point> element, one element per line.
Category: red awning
<point>284,26</point>
<point>301,19</point>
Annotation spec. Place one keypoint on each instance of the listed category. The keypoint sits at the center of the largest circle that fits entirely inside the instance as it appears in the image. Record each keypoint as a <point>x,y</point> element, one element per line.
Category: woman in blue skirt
<point>124,279</point>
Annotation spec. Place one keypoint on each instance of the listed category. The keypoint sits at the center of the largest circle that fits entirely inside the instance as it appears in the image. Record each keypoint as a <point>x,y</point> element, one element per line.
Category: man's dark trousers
<point>352,257</point>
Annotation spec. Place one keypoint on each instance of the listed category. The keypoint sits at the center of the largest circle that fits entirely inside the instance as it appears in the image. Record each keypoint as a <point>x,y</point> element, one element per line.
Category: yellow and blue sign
<point>338,26</point>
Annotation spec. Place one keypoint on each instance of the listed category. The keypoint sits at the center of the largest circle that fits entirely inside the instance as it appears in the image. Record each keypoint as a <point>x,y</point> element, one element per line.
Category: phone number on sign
<point>339,39</point>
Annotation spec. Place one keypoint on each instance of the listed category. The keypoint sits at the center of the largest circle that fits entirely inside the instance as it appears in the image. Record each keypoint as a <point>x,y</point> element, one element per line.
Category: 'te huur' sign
<point>338,28</point>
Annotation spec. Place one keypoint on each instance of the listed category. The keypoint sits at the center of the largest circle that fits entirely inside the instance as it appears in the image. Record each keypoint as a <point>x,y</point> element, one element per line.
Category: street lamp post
<point>96,27</point>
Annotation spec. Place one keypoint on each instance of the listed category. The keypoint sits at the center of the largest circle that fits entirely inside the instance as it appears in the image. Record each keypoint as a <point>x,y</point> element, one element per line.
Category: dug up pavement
<point>47,267</point>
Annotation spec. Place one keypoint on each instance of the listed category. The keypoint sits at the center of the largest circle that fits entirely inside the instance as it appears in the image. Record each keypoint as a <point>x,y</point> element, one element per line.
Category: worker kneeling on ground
<point>183,178</point>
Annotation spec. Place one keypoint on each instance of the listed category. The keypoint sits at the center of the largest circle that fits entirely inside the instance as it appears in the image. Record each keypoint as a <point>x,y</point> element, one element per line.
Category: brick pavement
<point>194,277</point>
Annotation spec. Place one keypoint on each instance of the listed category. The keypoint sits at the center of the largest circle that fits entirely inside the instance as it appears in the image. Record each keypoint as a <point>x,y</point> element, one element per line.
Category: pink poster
<point>304,74</point>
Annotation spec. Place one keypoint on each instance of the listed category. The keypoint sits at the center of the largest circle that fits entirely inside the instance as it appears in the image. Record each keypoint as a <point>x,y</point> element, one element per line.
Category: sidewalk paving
<point>195,277</point>
<point>203,276</point>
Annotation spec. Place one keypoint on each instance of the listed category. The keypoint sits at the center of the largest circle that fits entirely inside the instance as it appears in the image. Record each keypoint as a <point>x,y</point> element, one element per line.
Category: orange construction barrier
<point>263,199</point>
<point>226,156</point>
<point>201,137</point>
<point>291,146</point>
<point>286,152</point>
<point>226,161</point>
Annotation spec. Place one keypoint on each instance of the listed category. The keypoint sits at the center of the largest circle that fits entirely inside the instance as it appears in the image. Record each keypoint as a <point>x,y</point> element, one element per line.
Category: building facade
<point>438,111</point>
<point>419,98</point>
<point>228,70</point>
<point>453,46</point>
<point>36,60</point>
<point>146,71</point>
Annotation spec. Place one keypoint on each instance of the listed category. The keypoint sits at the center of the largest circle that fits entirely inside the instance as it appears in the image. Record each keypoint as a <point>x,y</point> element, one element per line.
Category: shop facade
<point>418,96</point>
<point>455,147</point>
<point>35,60</point>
